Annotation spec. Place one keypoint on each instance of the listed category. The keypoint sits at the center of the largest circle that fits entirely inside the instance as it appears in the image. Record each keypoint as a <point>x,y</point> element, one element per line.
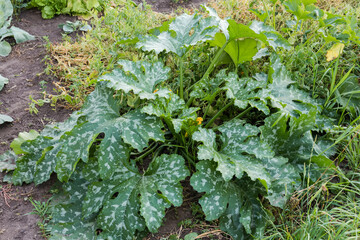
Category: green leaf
<point>5,48</point>
<point>234,202</point>
<point>128,193</point>
<point>238,139</point>
<point>242,151</point>
<point>67,223</point>
<point>238,30</point>
<point>5,118</point>
<point>6,11</point>
<point>23,137</point>
<point>173,109</point>
<point>300,8</point>
<point>139,77</point>
<point>185,31</point>
<point>21,35</point>
<point>191,236</point>
<point>208,89</point>
<point>62,146</point>
<point>7,161</point>
<point>3,81</point>
<point>294,142</point>
<point>240,51</point>
<point>283,95</point>
<point>273,38</point>
<point>223,24</point>
<point>243,90</point>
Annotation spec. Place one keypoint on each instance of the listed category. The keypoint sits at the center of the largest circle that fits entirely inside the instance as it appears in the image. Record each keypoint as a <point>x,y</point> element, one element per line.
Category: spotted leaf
<point>282,94</point>
<point>59,148</point>
<point>139,77</point>
<point>240,150</point>
<point>244,91</point>
<point>173,109</point>
<point>234,202</point>
<point>185,31</point>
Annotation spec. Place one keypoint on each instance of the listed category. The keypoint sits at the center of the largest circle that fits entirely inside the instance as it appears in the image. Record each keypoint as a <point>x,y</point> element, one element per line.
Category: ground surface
<point>24,69</point>
<point>170,5</point>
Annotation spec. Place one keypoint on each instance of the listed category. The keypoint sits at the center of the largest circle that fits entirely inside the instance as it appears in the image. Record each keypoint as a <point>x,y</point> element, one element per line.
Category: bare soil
<point>24,68</point>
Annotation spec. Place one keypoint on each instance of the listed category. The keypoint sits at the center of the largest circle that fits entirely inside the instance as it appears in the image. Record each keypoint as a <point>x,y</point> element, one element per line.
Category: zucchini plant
<point>122,165</point>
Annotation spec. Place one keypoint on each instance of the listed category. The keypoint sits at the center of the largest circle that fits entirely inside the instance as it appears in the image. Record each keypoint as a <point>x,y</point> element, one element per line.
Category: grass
<point>329,209</point>
<point>77,63</point>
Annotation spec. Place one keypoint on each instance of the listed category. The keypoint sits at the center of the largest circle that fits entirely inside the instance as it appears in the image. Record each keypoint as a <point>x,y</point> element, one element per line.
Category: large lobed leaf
<point>292,138</point>
<point>234,202</point>
<point>185,31</point>
<point>208,88</point>
<point>139,77</point>
<point>243,153</point>
<point>123,205</point>
<point>282,94</point>
<point>59,148</point>
<point>244,91</point>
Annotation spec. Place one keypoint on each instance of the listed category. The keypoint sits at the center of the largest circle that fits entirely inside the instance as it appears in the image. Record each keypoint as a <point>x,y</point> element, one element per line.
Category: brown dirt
<point>24,68</point>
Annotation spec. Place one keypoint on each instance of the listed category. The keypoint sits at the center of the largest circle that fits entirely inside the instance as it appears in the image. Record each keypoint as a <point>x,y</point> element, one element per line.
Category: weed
<point>41,209</point>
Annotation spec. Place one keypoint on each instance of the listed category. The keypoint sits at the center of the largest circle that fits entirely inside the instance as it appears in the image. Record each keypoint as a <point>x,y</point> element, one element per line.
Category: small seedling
<point>70,27</point>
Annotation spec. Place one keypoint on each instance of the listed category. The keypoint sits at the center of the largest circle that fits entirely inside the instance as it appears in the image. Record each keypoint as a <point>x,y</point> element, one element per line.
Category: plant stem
<point>246,111</point>
<point>273,12</point>
<point>146,153</point>
<point>266,10</point>
<point>218,114</point>
<point>209,70</point>
<point>206,111</point>
<point>190,160</point>
<point>171,127</point>
<point>182,77</point>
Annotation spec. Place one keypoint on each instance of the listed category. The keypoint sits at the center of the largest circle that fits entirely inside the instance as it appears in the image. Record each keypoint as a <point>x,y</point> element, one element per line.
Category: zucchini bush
<point>201,130</point>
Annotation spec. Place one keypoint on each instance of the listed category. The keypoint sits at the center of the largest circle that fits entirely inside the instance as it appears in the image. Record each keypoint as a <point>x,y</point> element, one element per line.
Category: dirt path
<point>24,69</point>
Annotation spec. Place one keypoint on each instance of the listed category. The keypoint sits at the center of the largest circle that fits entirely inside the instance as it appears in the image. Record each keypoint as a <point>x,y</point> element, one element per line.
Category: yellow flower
<point>156,90</point>
<point>199,120</point>
<point>186,134</point>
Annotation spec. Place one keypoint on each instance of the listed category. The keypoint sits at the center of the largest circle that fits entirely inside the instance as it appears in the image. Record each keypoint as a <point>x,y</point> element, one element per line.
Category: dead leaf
<point>334,51</point>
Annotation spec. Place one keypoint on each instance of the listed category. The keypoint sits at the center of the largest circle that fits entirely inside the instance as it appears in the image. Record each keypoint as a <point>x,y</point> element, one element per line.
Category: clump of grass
<point>327,210</point>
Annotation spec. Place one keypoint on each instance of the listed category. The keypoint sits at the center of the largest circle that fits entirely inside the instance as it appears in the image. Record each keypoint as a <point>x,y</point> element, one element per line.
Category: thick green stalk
<point>206,111</point>
<point>266,10</point>
<point>171,127</point>
<point>240,115</point>
<point>189,159</point>
<point>182,77</point>
<point>149,151</point>
<point>218,114</point>
<point>273,12</point>
<point>209,70</point>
